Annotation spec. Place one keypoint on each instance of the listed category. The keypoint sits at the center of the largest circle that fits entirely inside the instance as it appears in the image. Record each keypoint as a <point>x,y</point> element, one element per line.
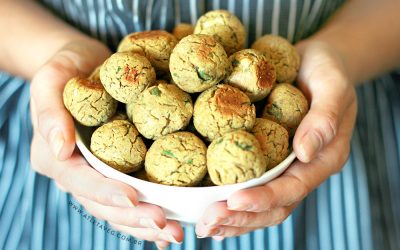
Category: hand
<point>321,144</point>
<point>53,150</point>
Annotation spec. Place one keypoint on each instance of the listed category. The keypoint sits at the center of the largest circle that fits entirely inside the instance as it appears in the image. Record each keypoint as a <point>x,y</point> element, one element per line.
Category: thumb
<point>317,129</point>
<point>330,97</point>
<point>49,116</point>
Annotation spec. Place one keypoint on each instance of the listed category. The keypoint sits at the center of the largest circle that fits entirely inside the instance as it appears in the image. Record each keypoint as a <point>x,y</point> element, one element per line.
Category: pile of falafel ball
<point>180,109</point>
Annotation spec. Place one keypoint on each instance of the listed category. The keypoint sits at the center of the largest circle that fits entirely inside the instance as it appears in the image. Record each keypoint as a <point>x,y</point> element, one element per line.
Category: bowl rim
<point>277,170</point>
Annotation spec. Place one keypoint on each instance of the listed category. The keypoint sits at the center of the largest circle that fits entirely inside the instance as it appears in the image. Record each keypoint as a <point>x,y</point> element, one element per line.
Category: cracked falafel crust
<point>222,109</point>
<point>198,62</point>
<point>273,139</point>
<point>88,102</point>
<point>252,73</point>
<point>235,157</point>
<point>125,74</point>
<point>119,145</point>
<point>160,110</point>
<point>177,159</point>
<point>225,27</point>
<point>287,106</point>
<point>155,45</point>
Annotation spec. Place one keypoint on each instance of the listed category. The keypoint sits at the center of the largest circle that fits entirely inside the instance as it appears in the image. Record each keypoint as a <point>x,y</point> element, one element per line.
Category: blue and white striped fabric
<point>355,209</point>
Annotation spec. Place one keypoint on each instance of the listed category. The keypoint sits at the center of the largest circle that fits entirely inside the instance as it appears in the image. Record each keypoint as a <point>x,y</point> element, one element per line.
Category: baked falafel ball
<point>155,45</point>
<point>225,27</point>
<point>183,29</point>
<point>119,145</point>
<point>177,159</point>
<point>88,102</point>
<point>222,109</point>
<point>95,76</point>
<point>287,106</point>
<point>198,62</point>
<point>160,110</point>
<point>274,141</point>
<point>124,75</point>
<point>119,115</point>
<point>252,73</point>
<point>235,157</point>
<point>282,54</point>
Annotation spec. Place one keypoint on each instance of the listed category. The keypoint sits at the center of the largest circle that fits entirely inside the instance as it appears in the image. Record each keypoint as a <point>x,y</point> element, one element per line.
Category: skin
<point>64,52</point>
<point>329,70</point>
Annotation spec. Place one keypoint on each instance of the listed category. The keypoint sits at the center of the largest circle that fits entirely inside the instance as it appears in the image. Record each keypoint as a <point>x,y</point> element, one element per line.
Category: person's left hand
<point>321,144</point>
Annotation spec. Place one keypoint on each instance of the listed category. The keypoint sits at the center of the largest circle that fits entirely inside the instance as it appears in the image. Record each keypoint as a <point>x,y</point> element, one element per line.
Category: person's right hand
<point>53,151</point>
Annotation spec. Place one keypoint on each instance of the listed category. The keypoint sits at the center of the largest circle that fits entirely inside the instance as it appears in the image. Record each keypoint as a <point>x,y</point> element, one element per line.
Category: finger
<point>50,117</point>
<point>283,191</point>
<point>218,214</point>
<point>330,94</point>
<point>161,245</point>
<point>81,179</point>
<point>300,178</point>
<point>143,215</point>
<point>221,232</point>
<point>172,232</point>
<point>77,177</point>
<point>53,121</point>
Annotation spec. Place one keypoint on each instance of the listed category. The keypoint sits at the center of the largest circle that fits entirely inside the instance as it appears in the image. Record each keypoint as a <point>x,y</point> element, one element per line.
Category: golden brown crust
<point>231,101</point>
<point>222,109</point>
<point>156,45</point>
<point>252,73</point>
<point>266,75</point>
<point>90,84</point>
<point>88,102</point>
<point>183,29</point>
<point>125,75</point>
<point>282,54</point>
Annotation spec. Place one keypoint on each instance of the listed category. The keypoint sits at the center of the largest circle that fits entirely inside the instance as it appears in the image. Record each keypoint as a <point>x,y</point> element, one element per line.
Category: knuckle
<point>284,216</point>
<point>270,199</point>
<point>327,126</point>
<point>102,198</point>
<point>301,188</point>
<point>281,215</point>
<point>245,219</point>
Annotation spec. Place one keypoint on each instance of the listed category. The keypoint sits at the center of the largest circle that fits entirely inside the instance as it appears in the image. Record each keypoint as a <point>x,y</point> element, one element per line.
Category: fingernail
<point>240,207</point>
<point>160,248</point>
<point>201,236</point>
<point>218,238</point>
<point>147,222</point>
<point>310,144</point>
<point>170,238</point>
<point>122,201</point>
<point>57,142</point>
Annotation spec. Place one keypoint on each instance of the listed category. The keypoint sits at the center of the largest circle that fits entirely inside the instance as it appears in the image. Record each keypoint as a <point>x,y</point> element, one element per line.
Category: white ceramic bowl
<point>185,204</point>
